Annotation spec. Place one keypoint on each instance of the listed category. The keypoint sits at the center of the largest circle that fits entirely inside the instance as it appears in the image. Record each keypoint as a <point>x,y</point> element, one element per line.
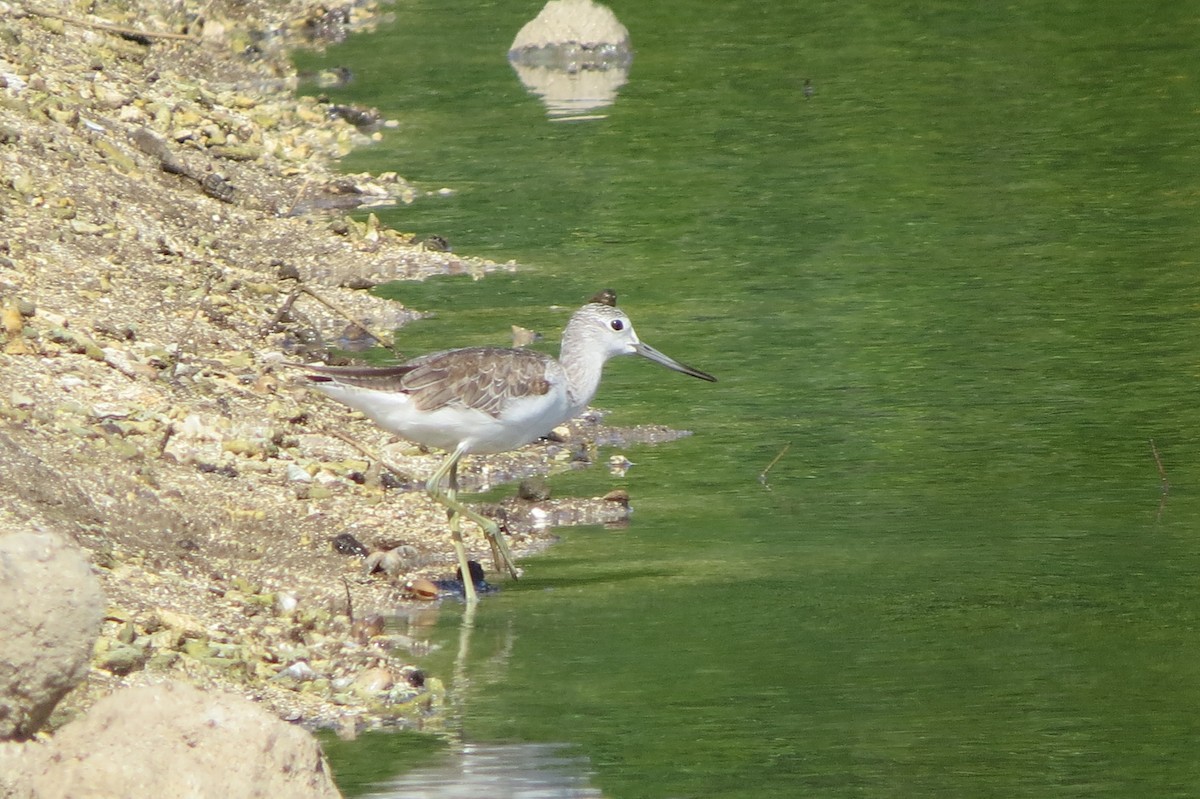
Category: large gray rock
<point>51,607</point>
<point>175,740</point>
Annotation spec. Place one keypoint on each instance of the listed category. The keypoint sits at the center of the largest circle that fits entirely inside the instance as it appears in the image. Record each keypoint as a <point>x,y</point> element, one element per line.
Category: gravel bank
<point>168,243</point>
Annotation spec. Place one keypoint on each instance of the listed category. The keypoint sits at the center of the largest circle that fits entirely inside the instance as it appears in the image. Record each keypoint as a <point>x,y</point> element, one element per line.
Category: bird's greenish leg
<point>434,489</point>
<point>449,499</point>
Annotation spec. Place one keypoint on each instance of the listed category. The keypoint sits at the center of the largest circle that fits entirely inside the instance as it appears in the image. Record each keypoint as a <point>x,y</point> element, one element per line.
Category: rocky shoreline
<point>169,244</point>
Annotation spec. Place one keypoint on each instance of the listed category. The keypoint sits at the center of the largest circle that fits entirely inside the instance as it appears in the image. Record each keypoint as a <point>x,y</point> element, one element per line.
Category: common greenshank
<point>488,400</point>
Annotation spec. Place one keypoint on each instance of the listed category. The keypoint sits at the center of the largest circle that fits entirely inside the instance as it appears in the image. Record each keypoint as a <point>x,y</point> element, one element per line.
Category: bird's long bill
<point>646,351</point>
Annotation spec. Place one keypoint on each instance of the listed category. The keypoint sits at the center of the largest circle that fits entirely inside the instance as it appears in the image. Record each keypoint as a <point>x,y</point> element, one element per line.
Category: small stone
<point>187,625</point>
<point>122,659</point>
<point>533,489</point>
<point>12,319</point>
<point>313,492</point>
<point>347,728</point>
<point>363,630</point>
<point>286,603</point>
<point>346,544</point>
<point>299,671</point>
<point>238,152</point>
<point>421,589</point>
<point>298,474</point>
<point>127,633</point>
<point>618,495</point>
<point>197,649</point>
<point>372,681</point>
<point>24,184</point>
<point>413,676</point>
<point>390,561</point>
<point>116,157</point>
<point>241,446</point>
<point>110,410</point>
<point>618,465</point>
<point>66,116</point>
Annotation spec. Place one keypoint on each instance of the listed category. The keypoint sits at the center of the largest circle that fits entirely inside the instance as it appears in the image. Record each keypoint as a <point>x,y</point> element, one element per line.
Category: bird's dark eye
<point>617,324</point>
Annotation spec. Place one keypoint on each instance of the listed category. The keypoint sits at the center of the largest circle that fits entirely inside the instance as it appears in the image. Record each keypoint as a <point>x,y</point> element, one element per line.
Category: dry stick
<point>1162,473</point>
<point>283,311</point>
<point>286,308</point>
<point>299,196</point>
<point>1162,476</point>
<point>104,26</point>
<point>187,331</point>
<point>762,478</point>
<point>349,603</point>
<point>166,439</point>
<point>328,304</point>
<point>370,454</point>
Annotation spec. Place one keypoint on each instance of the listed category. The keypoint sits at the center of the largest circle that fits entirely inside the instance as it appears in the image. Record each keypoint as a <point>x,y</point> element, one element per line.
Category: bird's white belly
<point>523,419</point>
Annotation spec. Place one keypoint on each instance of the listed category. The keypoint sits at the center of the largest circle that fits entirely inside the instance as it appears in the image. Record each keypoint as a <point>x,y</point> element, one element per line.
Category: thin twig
<point>1162,472</point>
<point>166,439</point>
<point>349,602</point>
<point>331,306</point>
<point>1162,476</point>
<point>299,196</point>
<point>762,477</point>
<point>110,28</point>
<point>370,454</point>
<point>284,310</point>
<point>187,330</point>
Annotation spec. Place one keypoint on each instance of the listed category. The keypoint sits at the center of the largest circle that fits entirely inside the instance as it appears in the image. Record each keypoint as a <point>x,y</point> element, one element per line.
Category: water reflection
<point>473,769</point>
<point>516,771</point>
<point>575,56</point>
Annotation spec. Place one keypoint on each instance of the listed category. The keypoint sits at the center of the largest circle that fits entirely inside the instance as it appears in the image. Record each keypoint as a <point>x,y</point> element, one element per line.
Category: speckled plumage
<point>482,378</point>
<point>490,399</point>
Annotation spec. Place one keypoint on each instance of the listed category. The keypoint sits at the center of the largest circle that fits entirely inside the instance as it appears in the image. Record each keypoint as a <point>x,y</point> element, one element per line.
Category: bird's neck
<point>583,366</point>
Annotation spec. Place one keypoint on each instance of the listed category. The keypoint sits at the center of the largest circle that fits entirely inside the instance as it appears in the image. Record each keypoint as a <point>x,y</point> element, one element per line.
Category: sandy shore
<point>165,250</point>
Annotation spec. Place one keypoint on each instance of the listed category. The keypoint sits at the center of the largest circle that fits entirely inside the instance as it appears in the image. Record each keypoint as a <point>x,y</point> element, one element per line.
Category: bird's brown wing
<point>483,378</point>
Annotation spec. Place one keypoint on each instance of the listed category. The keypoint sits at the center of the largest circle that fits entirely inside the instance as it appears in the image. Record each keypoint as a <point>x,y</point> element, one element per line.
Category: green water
<point>958,283</point>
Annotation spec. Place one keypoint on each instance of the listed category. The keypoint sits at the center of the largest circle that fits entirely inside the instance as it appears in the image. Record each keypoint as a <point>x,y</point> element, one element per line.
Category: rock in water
<point>574,55</point>
<point>564,22</point>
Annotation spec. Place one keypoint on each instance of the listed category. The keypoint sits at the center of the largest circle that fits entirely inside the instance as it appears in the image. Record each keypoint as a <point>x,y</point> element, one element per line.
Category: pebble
<point>286,603</point>
<point>347,544</point>
<point>299,670</point>
<point>421,588</point>
<point>122,659</point>
<point>298,474</point>
<point>373,681</point>
<point>110,410</point>
<point>390,561</point>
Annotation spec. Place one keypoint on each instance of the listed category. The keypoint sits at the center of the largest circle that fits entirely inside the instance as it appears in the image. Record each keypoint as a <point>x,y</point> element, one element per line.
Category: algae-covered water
<point>954,292</point>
